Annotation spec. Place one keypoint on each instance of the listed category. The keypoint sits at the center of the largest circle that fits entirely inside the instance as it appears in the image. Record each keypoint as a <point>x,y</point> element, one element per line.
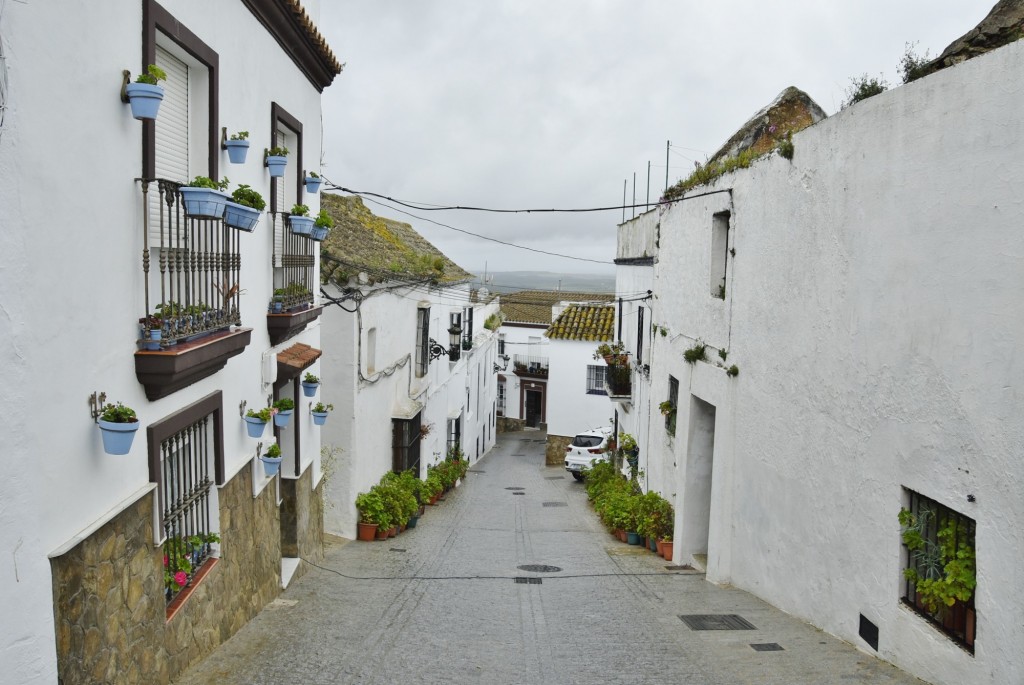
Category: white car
<point>586,448</point>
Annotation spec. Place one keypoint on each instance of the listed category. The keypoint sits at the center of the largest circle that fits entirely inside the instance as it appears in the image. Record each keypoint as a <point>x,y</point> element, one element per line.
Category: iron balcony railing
<point>193,288</point>
<point>294,259</point>
<point>527,365</point>
<point>618,381</point>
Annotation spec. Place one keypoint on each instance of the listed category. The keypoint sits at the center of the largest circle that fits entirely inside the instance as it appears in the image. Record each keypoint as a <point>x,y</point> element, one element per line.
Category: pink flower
<point>181,578</point>
<point>273,411</point>
<point>165,561</point>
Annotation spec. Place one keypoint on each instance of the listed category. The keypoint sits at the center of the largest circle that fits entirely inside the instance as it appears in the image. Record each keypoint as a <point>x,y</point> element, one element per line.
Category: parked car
<point>585,449</point>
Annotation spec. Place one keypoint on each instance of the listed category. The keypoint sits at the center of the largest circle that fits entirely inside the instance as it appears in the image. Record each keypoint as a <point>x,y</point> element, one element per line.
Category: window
<point>639,335</point>
<point>501,398</point>
<point>183,450</point>
<point>719,253</point>
<point>501,344</point>
<point>454,433</point>
<point>939,570</point>
<point>467,331</point>
<point>422,341</point>
<point>294,255</point>
<point>671,408</point>
<point>371,350</point>
<point>595,380</point>
<point>405,443</point>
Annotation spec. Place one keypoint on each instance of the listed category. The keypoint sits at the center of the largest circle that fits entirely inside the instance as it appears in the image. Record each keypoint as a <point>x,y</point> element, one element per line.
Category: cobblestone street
<point>440,604</point>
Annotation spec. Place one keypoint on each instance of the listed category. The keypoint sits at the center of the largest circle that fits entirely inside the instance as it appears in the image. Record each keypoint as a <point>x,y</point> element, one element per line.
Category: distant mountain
<point>506,281</point>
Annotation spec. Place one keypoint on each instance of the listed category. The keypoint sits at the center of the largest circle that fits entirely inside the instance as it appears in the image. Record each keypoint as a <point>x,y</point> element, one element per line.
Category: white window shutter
<point>172,133</point>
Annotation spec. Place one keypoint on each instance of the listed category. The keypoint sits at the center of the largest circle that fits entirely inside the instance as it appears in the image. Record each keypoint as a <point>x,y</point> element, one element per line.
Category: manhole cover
<point>556,504</point>
<point>539,568</point>
<point>717,622</point>
<point>523,580</point>
<point>767,647</point>
<point>515,487</point>
<point>518,493</point>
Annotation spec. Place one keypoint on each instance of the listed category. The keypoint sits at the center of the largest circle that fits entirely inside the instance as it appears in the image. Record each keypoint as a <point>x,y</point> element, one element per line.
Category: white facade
<point>571,409</point>
<point>526,340</point>
<point>71,280</point>
<point>370,375</point>
<point>873,309</point>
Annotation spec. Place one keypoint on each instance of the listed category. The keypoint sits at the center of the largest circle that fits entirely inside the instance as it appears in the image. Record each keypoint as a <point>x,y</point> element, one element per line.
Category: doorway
<point>700,449</point>
<point>534,405</point>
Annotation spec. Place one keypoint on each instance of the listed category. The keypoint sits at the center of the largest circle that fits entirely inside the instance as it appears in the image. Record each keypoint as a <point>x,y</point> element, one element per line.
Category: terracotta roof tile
<point>534,306</point>
<point>315,37</point>
<point>584,322</point>
<point>299,356</point>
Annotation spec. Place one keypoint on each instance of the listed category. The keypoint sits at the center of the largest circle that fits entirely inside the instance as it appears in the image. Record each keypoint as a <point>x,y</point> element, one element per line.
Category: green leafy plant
<point>241,135</point>
<point>732,371</point>
<point>276,152</point>
<point>310,378</point>
<point>494,321</point>
<point>264,414</point>
<point>323,219</point>
<point>284,404</point>
<point>152,76</point>
<point>371,508</point>
<point>274,451</point>
<point>299,210</point>
<point>721,291</point>
<point>697,353</point>
<point>207,182</point>
<point>942,571</point>
<point>723,354</point>
<point>667,407</point>
<point>321,408</point>
<point>313,174</point>
<point>863,87</point>
<point>913,66</point>
<point>244,195</point>
<point>785,147</point>
<point>118,413</point>
<point>613,351</point>
<point>626,442</point>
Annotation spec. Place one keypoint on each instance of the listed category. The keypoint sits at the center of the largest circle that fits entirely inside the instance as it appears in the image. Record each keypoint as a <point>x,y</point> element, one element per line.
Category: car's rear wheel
<point>577,475</point>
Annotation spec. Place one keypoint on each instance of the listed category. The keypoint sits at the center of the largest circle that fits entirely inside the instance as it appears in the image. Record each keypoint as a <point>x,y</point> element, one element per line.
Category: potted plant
<point>300,220</point>
<point>322,225</point>
<point>370,507</point>
<point>313,182</point>
<point>319,412</point>
<point>285,407</point>
<point>256,421</point>
<point>275,159</point>
<point>243,210</point>
<point>612,354</point>
<point>145,95</point>
<point>238,146</point>
<point>309,384</point>
<point>272,460</point>
<point>202,196</point>
<point>118,424</point>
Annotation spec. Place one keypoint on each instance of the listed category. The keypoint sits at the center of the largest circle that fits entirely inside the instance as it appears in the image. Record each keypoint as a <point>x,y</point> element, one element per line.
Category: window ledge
<point>175,606</point>
<point>287,325</point>
<point>166,371</point>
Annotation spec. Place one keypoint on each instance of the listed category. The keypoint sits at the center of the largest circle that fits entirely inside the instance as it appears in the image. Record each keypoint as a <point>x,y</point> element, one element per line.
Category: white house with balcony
<point>841,342</point>
<point>114,571</point>
<point>411,369</point>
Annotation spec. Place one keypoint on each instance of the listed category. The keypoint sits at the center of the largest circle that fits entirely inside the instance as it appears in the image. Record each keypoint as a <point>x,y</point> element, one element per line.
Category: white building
<point>84,589</point>
<point>872,308</point>
<point>405,389</point>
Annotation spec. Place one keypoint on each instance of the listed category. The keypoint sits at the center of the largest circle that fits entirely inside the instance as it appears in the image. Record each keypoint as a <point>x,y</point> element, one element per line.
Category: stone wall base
<point>554,453</point>
<point>509,425</point>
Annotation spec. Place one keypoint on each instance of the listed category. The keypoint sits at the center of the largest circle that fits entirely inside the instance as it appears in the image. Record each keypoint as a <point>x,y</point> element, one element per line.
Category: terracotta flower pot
<point>393,532</point>
<point>666,548</point>
<point>658,545</point>
<point>433,499</point>
<point>366,531</point>
<point>381,534</point>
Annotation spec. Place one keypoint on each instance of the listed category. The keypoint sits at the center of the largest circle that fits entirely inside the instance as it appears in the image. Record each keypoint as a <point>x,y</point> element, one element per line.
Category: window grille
<point>454,433</point>
<point>501,343</point>
<point>422,341</point>
<point>501,398</point>
<point>294,259</point>
<point>639,335</point>
<point>595,380</point>
<point>405,442</point>
<point>467,330</point>
<point>673,397</point>
<point>938,544</point>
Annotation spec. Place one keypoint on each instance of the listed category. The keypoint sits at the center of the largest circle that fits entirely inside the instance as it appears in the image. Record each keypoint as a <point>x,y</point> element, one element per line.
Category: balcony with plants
<point>191,266</point>
<point>292,306</point>
<point>618,377</point>
<point>528,366</point>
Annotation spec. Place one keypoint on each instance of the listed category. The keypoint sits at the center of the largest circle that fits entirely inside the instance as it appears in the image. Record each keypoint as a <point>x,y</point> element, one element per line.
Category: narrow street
<point>441,604</point>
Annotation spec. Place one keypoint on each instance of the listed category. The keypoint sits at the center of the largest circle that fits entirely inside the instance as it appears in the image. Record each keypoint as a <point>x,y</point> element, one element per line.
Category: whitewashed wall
<point>873,309</point>
<point>518,341</point>
<point>71,276</point>
<point>570,409</point>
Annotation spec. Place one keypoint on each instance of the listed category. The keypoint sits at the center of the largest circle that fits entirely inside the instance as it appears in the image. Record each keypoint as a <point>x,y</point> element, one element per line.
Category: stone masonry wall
<point>510,425</point>
<point>109,607</point>
<point>554,452</point>
<point>303,508</point>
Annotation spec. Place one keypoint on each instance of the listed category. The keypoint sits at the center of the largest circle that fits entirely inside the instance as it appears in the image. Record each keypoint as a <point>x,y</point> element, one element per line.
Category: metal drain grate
<point>684,567</point>
<point>717,622</point>
<point>518,454</point>
<point>518,493</point>
<point>556,504</point>
<point>476,471</point>
<point>524,580</point>
<point>767,647</point>
<point>515,487</point>
<point>397,549</point>
<point>539,568</point>
<point>554,477</point>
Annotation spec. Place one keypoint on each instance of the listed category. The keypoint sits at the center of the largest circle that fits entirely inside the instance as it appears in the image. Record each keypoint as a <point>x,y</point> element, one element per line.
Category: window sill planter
<point>237,150</point>
<point>172,368</point>
<point>271,465</point>
<point>300,225</point>
<point>318,233</point>
<point>319,418</point>
<point>313,184</point>
<point>276,164</point>
<point>144,100</point>
<point>241,217</point>
<point>282,325</point>
<point>205,202</point>
<point>309,389</point>
<point>254,426</point>
<point>283,418</point>
<point>117,437</point>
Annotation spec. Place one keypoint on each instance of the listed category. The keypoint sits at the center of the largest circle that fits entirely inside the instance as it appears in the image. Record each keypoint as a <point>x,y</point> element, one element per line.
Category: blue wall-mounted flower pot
<point>319,417</point>
<point>144,99</point>
<point>313,184</point>
<point>237,150</point>
<point>282,418</point>
<point>309,389</point>
<point>271,465</point>
<point>117,437</point>
<point>204,202</point>
<point>254,426</point>
<point>241,217</point>
<point>301,225</point>
<point>276,164</point>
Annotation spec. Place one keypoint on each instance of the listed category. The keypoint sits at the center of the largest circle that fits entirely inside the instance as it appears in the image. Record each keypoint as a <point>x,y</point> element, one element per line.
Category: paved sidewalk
<point>439,604</point>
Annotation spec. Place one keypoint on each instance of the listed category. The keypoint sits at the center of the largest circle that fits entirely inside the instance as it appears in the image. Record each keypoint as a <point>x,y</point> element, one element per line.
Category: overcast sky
<point>554,103</point>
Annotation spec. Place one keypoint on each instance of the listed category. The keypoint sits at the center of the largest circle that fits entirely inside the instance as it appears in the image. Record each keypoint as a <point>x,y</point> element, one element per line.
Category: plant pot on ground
<point>118,425</point>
